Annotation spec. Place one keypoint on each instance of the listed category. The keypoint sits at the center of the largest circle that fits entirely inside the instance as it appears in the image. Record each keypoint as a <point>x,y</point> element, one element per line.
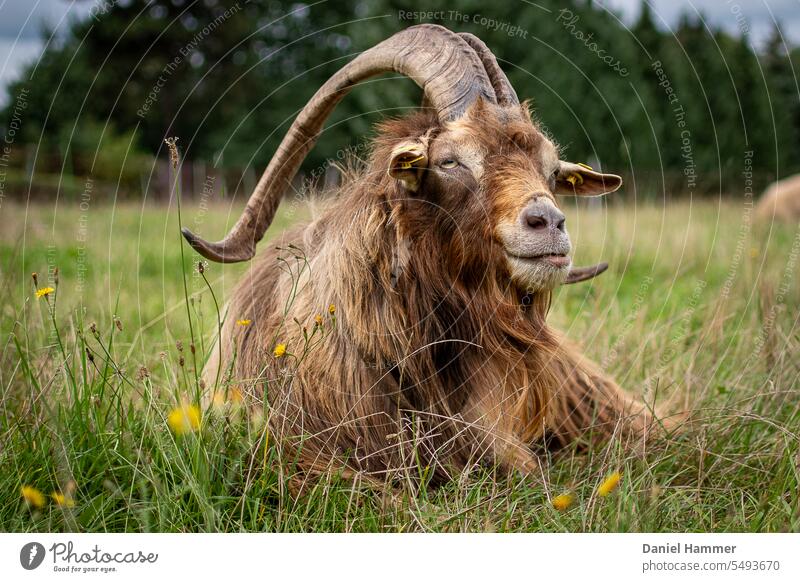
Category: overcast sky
<point>21,21</point>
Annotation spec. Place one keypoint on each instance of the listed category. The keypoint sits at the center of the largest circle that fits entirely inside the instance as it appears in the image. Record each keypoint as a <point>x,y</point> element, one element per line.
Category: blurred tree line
<point>683,110</point>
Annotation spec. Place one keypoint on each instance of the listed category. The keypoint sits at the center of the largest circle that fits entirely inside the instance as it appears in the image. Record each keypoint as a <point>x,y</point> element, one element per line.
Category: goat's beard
<point>532,276</point>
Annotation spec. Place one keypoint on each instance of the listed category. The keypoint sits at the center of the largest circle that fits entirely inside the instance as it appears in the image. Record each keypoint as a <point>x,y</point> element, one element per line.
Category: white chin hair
<point>537,275</point>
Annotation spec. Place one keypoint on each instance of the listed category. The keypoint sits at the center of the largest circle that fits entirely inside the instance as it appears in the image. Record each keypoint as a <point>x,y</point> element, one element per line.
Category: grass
<point>694,309</point>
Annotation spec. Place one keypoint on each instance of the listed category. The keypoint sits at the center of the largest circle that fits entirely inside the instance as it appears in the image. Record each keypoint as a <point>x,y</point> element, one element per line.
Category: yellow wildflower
<point>753,253</point>
<point>43,292</point>
<point>611,483</point>
<point>62,500</point>
<point>234,397</point>
<point>318,319</point>
<point>564,501</point>
<point>184,419</point>
<point>331,309</point>
<point>280,350</point>
<point>244,322</point>
<point>218,399</point>
<point>33,497</point>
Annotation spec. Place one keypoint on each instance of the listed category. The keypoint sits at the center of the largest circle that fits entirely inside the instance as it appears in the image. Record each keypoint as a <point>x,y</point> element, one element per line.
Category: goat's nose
<point>541,215</point>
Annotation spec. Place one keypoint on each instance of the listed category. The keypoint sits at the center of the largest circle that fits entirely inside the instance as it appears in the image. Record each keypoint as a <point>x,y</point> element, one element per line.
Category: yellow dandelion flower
<point>280,350</point>
<point>62,500</point>
<point>244,322</point>
<point>564,501</point>
<point>318,319</point>
<point>234,397</point>
<point>43,292</point>
<point>218,399</point>
<point>184,419</point>
<point>331,309</point>
<point>753,253</point>
<point>611,483</point>
<point>33,497</point>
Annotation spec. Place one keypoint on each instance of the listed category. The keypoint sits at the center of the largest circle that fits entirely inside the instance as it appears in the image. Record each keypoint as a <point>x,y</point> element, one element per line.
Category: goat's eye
<point>448,164</point>
<point>552,180</point>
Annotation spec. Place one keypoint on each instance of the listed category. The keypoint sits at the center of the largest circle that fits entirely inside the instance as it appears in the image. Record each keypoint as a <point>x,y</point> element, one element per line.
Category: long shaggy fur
<point>435,363</point>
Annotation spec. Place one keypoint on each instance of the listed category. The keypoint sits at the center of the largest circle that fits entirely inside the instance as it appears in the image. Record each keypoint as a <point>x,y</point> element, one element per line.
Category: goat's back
<point>780,201</point>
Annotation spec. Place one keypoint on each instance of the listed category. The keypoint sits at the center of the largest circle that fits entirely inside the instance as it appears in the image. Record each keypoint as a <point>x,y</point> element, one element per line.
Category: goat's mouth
<point>557,260</point>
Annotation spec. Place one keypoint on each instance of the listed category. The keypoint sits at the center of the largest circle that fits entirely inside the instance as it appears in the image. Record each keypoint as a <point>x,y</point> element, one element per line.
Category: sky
<point>21,22</point>
<point>756,16</point>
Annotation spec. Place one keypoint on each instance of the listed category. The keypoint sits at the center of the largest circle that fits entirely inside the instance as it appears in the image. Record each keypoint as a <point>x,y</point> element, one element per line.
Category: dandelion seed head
<point>173,151</point>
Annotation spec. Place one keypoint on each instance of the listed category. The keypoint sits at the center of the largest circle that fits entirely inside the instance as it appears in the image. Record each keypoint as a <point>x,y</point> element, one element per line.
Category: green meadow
<point>698,310</point>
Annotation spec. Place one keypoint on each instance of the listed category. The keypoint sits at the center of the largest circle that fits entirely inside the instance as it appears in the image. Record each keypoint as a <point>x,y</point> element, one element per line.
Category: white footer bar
<point>402,557</point>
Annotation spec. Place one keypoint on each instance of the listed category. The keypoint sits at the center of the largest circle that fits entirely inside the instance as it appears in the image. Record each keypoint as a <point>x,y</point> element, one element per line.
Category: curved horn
<point>502,87</point>
<point>438,60</point>
<point>578,274</point>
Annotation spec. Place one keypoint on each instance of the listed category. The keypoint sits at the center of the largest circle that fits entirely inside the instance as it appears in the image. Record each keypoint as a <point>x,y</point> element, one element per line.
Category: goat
<point>780,202</point>
<point>440,259</point>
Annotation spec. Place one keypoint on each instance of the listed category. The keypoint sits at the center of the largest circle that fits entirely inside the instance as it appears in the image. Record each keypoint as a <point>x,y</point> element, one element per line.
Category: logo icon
<point>31,555</point>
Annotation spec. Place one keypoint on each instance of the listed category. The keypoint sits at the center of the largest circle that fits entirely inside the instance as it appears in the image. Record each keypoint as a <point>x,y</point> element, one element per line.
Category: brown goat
<point>780,202</point>
<point>440,257</point>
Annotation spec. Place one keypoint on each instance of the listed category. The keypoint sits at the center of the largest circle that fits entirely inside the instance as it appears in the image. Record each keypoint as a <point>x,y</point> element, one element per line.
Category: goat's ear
<point>409,159</point>
<point>581,180</point>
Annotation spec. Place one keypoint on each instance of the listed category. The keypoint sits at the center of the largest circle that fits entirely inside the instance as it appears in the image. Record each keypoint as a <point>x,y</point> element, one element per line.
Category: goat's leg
<point>588,406</point>
<point>496,435</point>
